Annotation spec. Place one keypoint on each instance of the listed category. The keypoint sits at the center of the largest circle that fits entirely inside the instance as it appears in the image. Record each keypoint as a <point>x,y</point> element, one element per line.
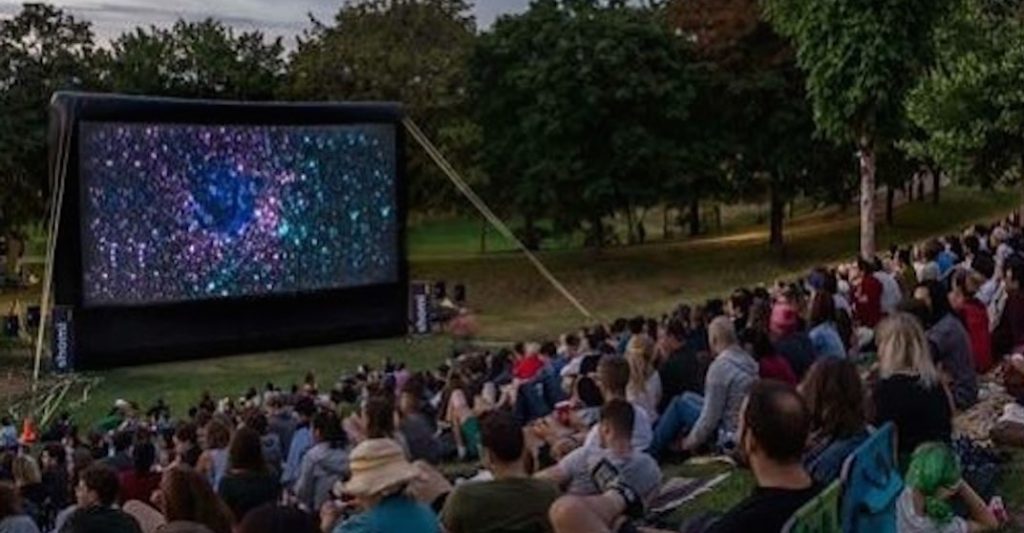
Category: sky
<point>285,18</point>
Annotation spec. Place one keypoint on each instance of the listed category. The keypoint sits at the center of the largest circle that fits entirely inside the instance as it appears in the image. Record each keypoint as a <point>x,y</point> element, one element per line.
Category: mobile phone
<point>604,474</point>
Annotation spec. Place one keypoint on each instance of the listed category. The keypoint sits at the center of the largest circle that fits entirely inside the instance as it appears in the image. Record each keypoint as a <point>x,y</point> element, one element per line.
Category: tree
<point>971,105</point>
<point>196,60</point>
<point>410,51</point>
<point>861,59</point>
<point>43,50</point>
<point>600,93</point>
<point>759,96</point>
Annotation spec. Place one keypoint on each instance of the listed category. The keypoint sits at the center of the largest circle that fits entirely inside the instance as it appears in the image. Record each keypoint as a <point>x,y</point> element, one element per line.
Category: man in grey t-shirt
<point>618,480</point>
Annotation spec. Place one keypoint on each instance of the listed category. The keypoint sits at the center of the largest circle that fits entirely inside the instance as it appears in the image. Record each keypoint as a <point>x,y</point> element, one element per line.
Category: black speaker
<point>419,307</point>
<point>63,340</point>
<point>459,294</point>
<point>32,317</point>
<point>12,326</point>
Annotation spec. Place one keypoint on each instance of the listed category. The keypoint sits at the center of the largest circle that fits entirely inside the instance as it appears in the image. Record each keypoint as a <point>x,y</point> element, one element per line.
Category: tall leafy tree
<point>971,106</point>
<point>861,58</point>
<point>411,51</point>
<point>760,100</point>
<point>582,105</point>
<point>42,49</point>
<point>205,59</point>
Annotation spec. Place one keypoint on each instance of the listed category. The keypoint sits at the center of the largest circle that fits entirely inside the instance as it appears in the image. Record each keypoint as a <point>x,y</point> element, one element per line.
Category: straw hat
<point>378,465</point>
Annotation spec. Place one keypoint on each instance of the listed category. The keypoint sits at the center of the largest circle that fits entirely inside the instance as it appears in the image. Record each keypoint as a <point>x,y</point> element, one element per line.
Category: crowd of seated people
<point>571,435</point>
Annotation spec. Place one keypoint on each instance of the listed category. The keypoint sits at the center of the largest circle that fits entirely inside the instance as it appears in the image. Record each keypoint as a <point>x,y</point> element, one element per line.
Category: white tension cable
<point>467,191</point>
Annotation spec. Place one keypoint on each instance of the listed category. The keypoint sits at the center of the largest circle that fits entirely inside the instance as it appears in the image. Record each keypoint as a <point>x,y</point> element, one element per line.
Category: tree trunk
<point>15,249</point>
<point>867,197</point>
<point>666,231</point>
<point>694,216</point>
<point>936,182</point>
<point>483,236</point>
<point>776,215</point>
<point>890,199</point>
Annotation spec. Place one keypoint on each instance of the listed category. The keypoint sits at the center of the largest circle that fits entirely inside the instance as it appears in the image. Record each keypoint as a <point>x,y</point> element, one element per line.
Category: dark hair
<point>740,299</point>
<point>613,374</point>
<point>305,407</point>
<point>380,416</point>
<point>122,440</point>
<point>218,434</point>
<point>143,457</point>
<point>186,432</point>
<point>760,343</point>
<point>619,415</point>
<point>777,419</point>
<point>823,309</point>
<point>329,427</point>
<point>271,518</point>
<point>245,451</point>
<point>188,496</point>
<point>931,250</point>
<point>57,452</point>
<point>984,264</point>
<point>549,349</point>
<point>1015,268</point>
<point>939,306</point>
<point>867,266</point>
<point>588,392</point>
<point>572,340</point>
<point>103,480</point>
<point>834,396</point>
<point>10,500</point>
<point>502,435</point>
<point>676,329</point>
<point>636,325</point>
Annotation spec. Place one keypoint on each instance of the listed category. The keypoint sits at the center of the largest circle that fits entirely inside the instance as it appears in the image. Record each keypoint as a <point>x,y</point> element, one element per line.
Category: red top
<point>975,318</point>
<point>776,367</point>
<point>867,301</point>
<point>137,487</point>
<point>527,367</point>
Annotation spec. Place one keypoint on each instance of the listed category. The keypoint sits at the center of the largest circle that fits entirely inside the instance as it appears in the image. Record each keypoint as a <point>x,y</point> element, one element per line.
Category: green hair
<point>934,466</point>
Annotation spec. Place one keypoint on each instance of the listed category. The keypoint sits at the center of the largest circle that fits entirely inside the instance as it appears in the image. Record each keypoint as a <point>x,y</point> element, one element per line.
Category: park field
<point>514,302</point>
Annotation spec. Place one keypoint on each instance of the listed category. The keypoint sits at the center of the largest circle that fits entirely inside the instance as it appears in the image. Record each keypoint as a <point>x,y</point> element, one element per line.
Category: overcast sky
<point>274,17</point>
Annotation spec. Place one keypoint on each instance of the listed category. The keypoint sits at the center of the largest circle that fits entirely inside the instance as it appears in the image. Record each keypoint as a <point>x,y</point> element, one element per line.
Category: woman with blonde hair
<point>909,392</point>
<point>644,387</point>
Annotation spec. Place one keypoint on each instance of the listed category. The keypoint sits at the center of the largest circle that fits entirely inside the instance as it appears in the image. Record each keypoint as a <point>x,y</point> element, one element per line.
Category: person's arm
<point>715,394</point>
<point>304,484</point>
<point>981,517</point>
<point>561,473</point>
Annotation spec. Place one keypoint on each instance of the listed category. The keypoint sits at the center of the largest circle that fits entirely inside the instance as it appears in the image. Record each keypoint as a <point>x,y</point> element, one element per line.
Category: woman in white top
<point>644,388</point>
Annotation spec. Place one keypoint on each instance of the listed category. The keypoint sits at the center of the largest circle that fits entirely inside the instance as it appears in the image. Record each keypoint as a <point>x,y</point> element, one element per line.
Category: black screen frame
<point>108,336</point>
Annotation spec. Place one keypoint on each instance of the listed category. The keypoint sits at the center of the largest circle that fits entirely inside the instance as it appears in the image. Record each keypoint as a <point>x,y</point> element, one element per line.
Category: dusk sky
<point>286,18</point>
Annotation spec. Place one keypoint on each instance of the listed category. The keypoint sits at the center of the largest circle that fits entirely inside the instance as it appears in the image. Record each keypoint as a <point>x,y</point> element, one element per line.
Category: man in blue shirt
<point>302,441</point>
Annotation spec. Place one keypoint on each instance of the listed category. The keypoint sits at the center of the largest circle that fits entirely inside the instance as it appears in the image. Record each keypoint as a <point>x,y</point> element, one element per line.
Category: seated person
<point>604,483</point>
<point>774,428</point>
<point>715,414</point>
<point>96,495</point>
<point>933,480</point>
<point>513,501</point>
<point>834,396</point>
<point>612,379</point>
<point>637,469</point>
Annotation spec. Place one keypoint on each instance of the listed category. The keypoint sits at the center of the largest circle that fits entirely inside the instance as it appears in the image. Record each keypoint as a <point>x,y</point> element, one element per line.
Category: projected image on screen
<point>180,212</point>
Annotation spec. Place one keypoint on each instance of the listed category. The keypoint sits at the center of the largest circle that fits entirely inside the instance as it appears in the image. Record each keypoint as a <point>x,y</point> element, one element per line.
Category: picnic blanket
<point>679,490</point>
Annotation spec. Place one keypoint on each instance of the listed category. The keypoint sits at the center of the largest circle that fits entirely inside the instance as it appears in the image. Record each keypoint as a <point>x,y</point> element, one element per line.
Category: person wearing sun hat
<point>380,475</point>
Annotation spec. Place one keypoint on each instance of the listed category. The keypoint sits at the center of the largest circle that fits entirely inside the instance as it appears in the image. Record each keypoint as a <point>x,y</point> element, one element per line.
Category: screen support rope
<point>468,192</point>
<point>56,202</point>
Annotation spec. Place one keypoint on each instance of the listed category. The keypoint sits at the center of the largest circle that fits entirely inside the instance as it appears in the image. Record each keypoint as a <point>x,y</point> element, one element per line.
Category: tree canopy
<point>582,106</point>
<point>44,50</point>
